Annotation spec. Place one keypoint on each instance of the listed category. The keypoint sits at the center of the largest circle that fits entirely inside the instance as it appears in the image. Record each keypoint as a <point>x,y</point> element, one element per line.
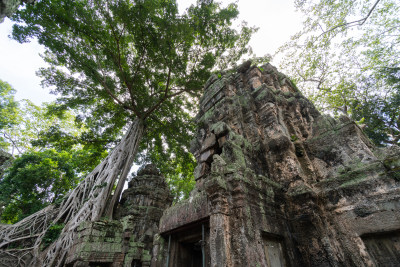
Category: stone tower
<point>279,184</point>
<point>128,239</point>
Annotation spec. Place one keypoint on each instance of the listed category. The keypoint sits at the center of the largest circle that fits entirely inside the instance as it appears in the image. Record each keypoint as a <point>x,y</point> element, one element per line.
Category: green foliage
<point>130,58</point>
<point>173,160</point>
<point>177,166</point>
<point>8,111</point>
<point>114,61</point>
<point>51,156</point>
<point>51,234</point>
<point>32,122</point>
<point>381,115</point>
<point>293,138</point>
<point>37,128</point>
<point>86,152</point>
<point>259,61</point>
<point>52,159</point>
<point>340,57</point>
<point>35,180</point>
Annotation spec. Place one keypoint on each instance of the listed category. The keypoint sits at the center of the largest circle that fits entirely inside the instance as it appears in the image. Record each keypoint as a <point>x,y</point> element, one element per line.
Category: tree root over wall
<point>22,244</point>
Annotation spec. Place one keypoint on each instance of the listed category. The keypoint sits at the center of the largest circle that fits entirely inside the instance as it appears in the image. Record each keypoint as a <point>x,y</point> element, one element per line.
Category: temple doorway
<point>188,246</point>
<point>384,248</point>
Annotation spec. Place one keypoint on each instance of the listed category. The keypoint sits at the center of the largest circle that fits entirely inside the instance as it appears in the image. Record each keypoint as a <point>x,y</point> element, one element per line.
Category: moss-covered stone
<point>219,128</point>
<point>392,165</point>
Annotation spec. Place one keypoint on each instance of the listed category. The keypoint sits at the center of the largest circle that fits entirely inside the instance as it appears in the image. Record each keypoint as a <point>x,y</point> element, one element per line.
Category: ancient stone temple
<point>128,239</point>
<point>279,184</point>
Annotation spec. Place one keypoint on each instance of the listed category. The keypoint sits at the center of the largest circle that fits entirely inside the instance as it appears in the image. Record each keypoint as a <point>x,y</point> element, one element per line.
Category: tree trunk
<point>87,202</point>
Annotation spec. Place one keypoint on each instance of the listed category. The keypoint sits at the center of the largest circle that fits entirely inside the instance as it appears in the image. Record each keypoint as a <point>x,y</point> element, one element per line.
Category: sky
<point>276,19</point>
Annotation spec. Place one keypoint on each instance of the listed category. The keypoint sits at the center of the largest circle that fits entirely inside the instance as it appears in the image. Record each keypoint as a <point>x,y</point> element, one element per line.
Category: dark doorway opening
<point>188,245</point>
<point>384,248</point>
<point>191,255</point>
<point>136,263</point>
<point>100,264</point>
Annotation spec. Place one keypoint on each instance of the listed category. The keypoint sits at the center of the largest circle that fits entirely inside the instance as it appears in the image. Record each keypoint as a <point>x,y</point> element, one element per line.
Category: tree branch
<point>118,58</point>
<point>116,99</point>
<point>14,144</point>
<point>103,82</point>
<point>359,22</point>
<point>165,97</point>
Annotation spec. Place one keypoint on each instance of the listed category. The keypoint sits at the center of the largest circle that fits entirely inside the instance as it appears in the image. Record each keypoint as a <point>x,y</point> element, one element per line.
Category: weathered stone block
<point>201,170</point>
<point>255,82</point>
<point>276,181</point>
<point>206,156</point>
<point>209,142</point>
<point>221,141</point>
<point>254,72</point>
<point>219,128</point>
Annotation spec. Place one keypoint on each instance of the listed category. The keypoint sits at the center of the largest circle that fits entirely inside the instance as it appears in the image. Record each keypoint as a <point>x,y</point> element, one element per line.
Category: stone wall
<point>279,184</point>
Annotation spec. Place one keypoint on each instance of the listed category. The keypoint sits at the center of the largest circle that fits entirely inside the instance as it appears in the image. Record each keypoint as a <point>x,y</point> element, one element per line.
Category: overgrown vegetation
<point>51,235</point>
<point>346,61</point>
<point>51,156</point>
<point>113,62</point>
<point>130,60</point>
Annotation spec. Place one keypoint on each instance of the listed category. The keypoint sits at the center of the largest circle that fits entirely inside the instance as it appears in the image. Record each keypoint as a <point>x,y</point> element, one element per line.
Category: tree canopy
<point>116,61</point>
<point>52,154</point>
<point>346,57</point>
<point>35,180</point>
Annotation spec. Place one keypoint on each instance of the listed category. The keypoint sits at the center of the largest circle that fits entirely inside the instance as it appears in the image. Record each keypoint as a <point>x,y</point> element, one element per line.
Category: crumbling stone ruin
<point>277,184</point>
<point>128,239</point>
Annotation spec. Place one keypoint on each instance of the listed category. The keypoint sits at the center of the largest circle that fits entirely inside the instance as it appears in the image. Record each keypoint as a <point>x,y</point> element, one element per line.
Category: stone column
<point>220,248</point>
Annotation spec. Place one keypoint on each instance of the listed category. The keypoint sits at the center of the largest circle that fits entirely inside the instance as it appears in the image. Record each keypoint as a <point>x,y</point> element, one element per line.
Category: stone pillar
<point>220,240</point>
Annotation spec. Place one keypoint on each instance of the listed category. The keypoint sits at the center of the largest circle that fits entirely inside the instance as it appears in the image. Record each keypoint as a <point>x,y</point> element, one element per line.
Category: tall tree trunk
<point>97,187</point>
<point>89,201</point>
<point>136,137</point>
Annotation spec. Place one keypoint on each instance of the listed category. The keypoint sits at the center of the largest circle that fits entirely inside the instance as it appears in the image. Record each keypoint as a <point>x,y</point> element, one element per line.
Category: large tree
<point>132,60</point>
<point>341,57</point>
<point>124,62</point>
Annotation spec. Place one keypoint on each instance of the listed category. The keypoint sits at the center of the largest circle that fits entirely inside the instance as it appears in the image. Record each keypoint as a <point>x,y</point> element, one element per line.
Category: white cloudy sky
<point>276,19</point>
